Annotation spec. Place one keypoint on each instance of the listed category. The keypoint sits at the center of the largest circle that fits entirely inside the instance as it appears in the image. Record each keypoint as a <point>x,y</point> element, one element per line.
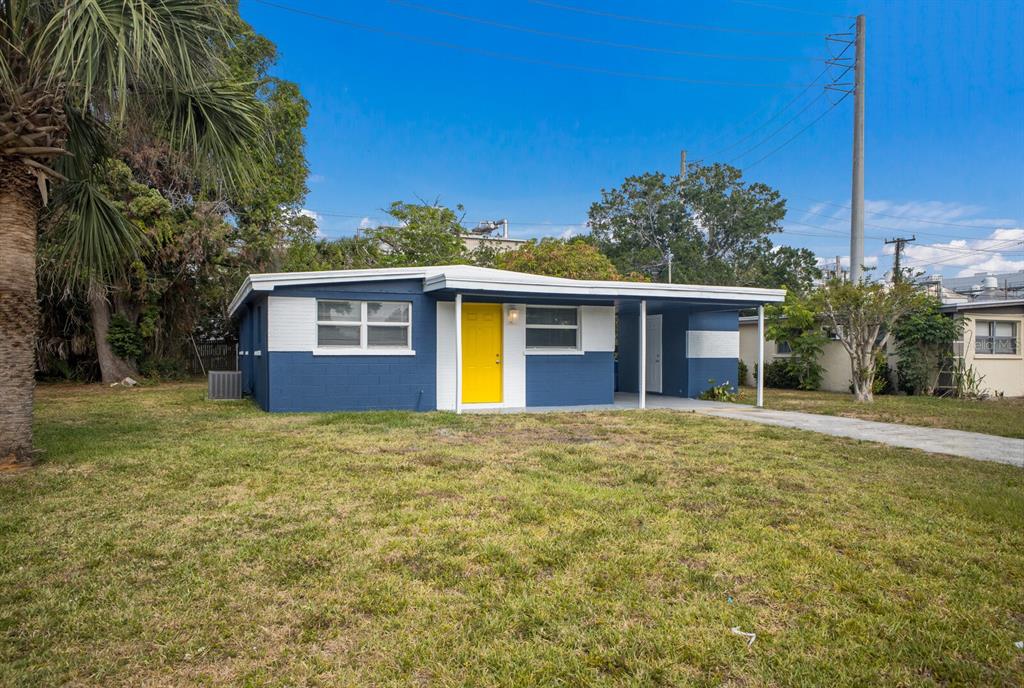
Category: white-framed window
<point>782,348</point>
<point>996,337</point>
<point>364,325</point>
<point>553,328</point>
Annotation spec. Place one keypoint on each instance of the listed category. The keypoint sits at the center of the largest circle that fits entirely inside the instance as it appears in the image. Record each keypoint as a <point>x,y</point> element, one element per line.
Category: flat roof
<point>980,305</point>
<point>469,278</point>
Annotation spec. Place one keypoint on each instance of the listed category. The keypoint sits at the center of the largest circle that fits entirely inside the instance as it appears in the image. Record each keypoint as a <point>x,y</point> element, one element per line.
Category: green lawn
<point>164,540</point>
<point>992,416</point>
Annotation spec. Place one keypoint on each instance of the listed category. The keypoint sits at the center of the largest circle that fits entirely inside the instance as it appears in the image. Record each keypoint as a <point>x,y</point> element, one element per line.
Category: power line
<point>830,62</point>
<point>905,217</point>
<point>594,41</point>
<point>773,117</point>
<point>518,58</point>
<point>875,225</point>
<point>784,125</point>
<point>794,136</point>
<point>665,22</point>
<point>795,10</point>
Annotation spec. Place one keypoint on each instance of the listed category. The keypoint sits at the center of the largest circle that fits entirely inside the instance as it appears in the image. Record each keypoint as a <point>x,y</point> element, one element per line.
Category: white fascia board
<point>607,289</point>
<point>268,281</point>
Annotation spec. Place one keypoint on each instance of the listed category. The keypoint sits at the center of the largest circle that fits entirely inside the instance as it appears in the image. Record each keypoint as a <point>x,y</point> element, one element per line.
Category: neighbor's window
<point>783,348</point>
<point>995,337</point>
<point>552,327</point>
<point>364,324</point>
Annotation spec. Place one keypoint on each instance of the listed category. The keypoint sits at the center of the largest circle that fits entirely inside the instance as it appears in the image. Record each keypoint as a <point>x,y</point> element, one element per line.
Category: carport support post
<point>458,353</point>
<point>760,355</point>
<point>643,355</point>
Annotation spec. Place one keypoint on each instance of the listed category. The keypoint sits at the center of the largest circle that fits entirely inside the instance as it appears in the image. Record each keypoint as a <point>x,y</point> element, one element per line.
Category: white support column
<point>760,355</point>
<point>458,353</point>
<point>643,355</point>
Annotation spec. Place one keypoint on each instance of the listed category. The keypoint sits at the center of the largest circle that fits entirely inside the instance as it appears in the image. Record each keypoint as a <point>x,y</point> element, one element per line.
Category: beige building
<point>834,359</point>
<point>991,344</point>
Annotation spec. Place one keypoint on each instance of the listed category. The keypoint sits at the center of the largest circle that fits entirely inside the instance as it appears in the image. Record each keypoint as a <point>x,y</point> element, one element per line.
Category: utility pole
<point>682,197</point>
<point>857,199</point>
<point>900,242</point>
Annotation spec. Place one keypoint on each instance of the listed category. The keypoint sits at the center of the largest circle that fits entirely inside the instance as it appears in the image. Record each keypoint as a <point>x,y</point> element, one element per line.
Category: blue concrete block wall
<point>701,370</point>
<point>304,382</point>
<point>628,348</point>
<point>301,381</point>
<point>245,345</point>
<point>553,380</point>
<point>261,374</point>
<point>675,370</point>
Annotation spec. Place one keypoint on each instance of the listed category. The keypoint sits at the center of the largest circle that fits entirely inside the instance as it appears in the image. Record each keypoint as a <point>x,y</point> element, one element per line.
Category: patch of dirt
<point>11,465</point>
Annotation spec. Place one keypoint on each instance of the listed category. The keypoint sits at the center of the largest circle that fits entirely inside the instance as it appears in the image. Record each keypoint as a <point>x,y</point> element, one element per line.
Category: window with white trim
<point>996,337</point>
<point>552,327</point>
<point>362,325</point>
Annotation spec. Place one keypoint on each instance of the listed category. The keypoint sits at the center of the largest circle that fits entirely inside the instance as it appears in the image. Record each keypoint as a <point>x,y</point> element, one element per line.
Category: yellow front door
<point>481,353</point>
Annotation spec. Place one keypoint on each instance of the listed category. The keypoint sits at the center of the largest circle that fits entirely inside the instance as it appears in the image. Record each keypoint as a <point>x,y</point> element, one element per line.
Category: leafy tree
<point>720,233</point>
<point>72,77</point>
<point>573,258</point>
<point>924,339</point>
<point>641,223</point>
<point>863,316</point>
<point>424,235</point>
<point>346,253</point>
<point>797,322</point>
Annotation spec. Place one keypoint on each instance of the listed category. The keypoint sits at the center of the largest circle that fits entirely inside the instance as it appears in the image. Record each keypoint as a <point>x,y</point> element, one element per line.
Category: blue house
<point>461,337</point>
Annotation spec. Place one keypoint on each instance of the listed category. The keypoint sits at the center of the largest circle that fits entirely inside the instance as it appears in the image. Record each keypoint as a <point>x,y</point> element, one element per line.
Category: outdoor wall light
<point>513,315</point>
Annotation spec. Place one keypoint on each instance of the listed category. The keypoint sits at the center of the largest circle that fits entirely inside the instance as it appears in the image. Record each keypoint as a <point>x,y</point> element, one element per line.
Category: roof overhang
<point>471,279</point>
<point>980,305</point>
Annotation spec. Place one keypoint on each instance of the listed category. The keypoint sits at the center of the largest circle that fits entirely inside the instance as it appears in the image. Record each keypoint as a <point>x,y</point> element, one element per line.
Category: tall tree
<point>422,235</point>
<point>573,258</point>
<point>72,74</point>
<point>864,315</point>
<point>716,228</point>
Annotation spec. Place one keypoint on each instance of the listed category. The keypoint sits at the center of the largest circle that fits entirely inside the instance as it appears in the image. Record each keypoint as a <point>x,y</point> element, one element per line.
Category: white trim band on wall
<point>712,344</point>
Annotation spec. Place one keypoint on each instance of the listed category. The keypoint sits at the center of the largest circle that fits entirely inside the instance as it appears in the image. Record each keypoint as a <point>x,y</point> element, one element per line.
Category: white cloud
<point>885,216</point>
<point>366,223</point>
<point>1001,251</point>
<point>306,212</point>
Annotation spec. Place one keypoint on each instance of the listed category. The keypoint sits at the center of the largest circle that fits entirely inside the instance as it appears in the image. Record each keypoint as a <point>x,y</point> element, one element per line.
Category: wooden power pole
<point>900,242</point>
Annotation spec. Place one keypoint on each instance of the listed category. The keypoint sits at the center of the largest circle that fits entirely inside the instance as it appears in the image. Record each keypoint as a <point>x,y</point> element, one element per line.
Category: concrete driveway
<point>972,445</point>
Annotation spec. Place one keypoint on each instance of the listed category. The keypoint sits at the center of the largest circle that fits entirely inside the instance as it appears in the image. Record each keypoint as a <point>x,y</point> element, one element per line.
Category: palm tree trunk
<point>113,368</point>
<point>19,214</point>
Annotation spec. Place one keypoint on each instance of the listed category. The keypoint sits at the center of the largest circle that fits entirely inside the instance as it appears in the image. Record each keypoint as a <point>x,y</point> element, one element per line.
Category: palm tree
<point>73,75</point>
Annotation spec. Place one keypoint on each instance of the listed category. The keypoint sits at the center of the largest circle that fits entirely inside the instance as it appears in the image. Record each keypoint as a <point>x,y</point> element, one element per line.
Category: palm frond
<point>221,123</point>
<point>91,239</point>
<point>104,50</point>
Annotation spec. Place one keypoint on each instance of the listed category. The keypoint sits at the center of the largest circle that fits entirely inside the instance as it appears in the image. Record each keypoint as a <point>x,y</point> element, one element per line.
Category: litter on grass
<point>751,637</point>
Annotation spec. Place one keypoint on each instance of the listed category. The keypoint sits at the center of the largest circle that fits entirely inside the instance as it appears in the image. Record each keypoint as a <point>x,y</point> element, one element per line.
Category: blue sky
<point>409,101</point>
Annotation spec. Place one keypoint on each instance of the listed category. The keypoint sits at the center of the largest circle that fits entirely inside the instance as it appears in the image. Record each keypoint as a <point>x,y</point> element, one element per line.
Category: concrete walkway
<point>972,445</point>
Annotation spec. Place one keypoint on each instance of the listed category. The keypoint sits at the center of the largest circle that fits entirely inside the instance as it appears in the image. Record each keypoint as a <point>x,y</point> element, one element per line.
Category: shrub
<point>124,338</point>
<point>782,374</point>
<point>722,392</point>
<point>741,372</point>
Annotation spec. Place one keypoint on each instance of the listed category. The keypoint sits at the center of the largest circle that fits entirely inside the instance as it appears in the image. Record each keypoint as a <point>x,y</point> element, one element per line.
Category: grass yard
<point>165,540</point>
<point>1003,417</point>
